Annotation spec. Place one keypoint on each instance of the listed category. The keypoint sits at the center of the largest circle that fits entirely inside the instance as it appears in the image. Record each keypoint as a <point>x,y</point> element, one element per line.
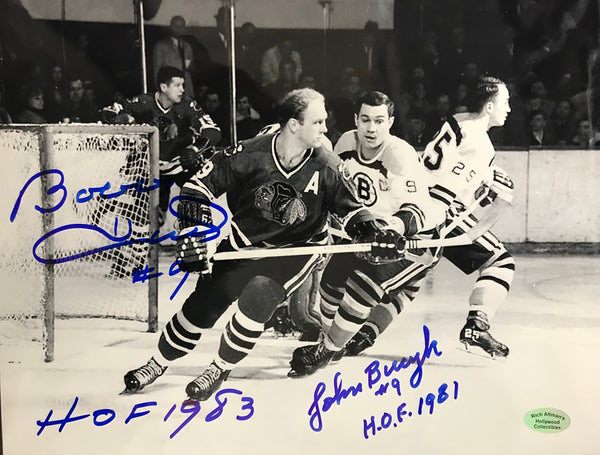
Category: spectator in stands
<point>333,133</point>
<point>82,58</point>
<point>563,123</point>
<point>32,97</point>
<point>415,134</point>
<point>5,117</point>
<point>538,90</point>
<point>418,75</point>
<point>273,56</point>
<point>461,95</point>
<point>248,53</point>
<point>539,133</point>
<point>285,83</point>
<point>307,81</point>
<point>56,93</point>
<point>78,108</point>
<point>370,57</point>
<point>502,62</point>
<point>248,121</point>
<point>515,130</point>
<point>420,103</point>
<point>343,104</point>
<point>430,61</point>
<point>454,58</point>
<point>471,74</point>
<point>438,116</point>
<point>587,136</point>
<point>217,47</point>
<point>174,51</point>
<point>219,113</point>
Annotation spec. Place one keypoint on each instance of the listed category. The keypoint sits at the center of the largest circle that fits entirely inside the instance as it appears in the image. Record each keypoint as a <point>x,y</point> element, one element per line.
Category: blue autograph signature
<point>371,425</point>
<point>102,417</point>
<point>115,240</point>
<point>210,232</point>
<point>322,404</point>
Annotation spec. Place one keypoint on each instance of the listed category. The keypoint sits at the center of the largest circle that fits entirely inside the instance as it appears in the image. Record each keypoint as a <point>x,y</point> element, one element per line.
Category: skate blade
<point>295,375</point>
<point>127,392</point>
<point>474,350</point>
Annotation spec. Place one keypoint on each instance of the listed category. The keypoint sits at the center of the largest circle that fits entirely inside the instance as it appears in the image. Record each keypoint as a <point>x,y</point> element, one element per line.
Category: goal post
<point>79,205</point>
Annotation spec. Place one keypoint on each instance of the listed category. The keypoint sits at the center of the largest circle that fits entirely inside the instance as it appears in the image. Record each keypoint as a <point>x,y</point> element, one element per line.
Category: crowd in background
<point>545,53</point>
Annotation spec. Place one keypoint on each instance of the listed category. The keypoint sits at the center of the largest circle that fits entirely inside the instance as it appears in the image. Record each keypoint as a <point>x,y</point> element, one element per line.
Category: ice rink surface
<point>550,321</point>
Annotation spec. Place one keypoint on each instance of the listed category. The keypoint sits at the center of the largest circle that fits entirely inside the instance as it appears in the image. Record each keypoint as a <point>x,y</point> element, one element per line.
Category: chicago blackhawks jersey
<point>276,128</point>
<point>271,205</point>
<point>459,160</point>
<point>393,184</point>
<point>177,126</point>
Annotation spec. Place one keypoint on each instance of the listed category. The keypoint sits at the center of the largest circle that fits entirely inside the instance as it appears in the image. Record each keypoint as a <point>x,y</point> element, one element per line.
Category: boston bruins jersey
<point>459,160</point>
<point>393,184</point>
<point>271,205</point>
<point>186,118</point>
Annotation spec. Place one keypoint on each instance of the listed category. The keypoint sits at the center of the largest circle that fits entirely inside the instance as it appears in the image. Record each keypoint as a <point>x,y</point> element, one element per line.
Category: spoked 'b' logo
<point>365,189</point>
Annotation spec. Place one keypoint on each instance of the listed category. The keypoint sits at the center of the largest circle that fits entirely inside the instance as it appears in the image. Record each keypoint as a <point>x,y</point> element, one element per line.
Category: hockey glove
<point>194,155</point>
<point>114,114</point>
<point>387,245</point>
<point>193,253</point>
<point>501,186</point>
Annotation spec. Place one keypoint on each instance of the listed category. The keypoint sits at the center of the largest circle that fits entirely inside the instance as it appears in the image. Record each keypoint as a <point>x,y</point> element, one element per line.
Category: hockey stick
<point>255,253</point>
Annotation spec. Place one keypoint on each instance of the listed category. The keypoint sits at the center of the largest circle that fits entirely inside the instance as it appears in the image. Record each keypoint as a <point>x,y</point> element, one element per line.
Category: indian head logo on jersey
<point>280,202</point>
<point>365,189</point>
<point>165,130</point>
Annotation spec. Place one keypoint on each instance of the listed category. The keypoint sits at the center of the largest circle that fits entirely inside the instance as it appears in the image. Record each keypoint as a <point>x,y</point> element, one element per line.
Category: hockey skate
<point>308,359</point>
<point>136,380</point>
<point>475,334</point>
<point>363,339</point>
<point>201,388</point>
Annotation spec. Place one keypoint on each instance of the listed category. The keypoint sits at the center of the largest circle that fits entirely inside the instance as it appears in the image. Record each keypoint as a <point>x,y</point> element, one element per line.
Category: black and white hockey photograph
<point>299,226</point>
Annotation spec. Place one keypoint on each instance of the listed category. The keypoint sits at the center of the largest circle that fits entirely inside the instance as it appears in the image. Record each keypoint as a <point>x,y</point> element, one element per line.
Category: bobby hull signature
<point>376,375</point>
<point>115,240</point>
<point>122,233</point>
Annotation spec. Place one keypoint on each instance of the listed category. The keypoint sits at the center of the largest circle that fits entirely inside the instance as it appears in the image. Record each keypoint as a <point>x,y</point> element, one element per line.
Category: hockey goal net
<point>79,207</point>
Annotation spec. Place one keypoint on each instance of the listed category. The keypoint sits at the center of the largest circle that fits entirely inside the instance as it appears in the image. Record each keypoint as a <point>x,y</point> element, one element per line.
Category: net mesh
<point>98,186</point>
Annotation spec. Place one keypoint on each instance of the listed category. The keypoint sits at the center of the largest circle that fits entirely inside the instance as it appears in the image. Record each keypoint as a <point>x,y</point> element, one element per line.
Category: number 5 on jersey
<point>434,152</point>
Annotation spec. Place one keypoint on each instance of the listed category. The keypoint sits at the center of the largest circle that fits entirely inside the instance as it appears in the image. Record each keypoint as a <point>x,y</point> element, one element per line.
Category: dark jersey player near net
<point>280,189</point>
<point>185,130</point>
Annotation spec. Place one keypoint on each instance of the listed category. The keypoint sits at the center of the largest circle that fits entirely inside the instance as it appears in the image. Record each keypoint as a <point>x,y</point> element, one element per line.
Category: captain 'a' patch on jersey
<point>393,179</point>
<point>272,205</point>
<point>458,160</point>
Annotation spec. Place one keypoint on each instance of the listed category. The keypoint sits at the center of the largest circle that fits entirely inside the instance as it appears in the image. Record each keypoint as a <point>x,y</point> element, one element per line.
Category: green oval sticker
<point>547,420</point>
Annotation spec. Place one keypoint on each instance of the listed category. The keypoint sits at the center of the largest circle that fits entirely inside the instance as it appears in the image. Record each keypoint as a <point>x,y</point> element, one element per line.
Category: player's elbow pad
<point>502,185</point>
<point>412,217</point>
<point>212,133</point>
<point>359,222</point>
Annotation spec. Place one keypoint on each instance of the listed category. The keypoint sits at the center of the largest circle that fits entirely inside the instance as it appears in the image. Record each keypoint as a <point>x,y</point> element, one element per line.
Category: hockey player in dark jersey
<point>185,130</point>
<point>280,189</point>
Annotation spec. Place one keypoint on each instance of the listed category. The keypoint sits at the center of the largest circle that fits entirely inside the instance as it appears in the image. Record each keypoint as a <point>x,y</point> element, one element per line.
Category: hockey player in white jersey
<point>392,183</point>
<point>459,161</point>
